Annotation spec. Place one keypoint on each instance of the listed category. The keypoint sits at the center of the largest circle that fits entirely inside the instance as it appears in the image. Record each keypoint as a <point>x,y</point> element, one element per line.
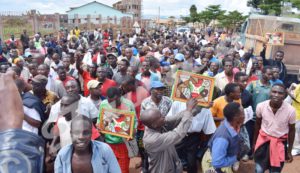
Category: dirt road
<point>245,167</point>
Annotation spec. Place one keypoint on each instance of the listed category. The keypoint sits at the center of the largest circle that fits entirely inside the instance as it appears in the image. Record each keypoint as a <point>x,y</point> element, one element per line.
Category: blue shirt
<point>164,61</point>
<point>103,159</point>
<point>153,77</point>
<point>219,150</point>
<point>277,81</point>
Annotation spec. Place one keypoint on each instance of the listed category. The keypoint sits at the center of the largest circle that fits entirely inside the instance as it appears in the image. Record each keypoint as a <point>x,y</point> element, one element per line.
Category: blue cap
<point>157,84</point>
<point>27,54</point>
<point>179,57</point>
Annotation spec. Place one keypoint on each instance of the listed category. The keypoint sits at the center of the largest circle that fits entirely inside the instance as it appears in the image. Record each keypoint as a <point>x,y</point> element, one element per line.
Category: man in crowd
<point>232,94</point>
<point>225,77</point>
<point>62,75</point>
<point>84,154</point>
<point>260,91</point>
<point>277,61</point>
<point>95,96</point>
<point>201,122</point>
<point>157,100</point>
<point>275,79</point>
<point>223,147</point>
<point>116,101</point>
<point>121,75</point>
<point>160,143</point>
<point>146,76</point>
<point>274,130</point>
<point>106,82</point>
<point>53,85</point>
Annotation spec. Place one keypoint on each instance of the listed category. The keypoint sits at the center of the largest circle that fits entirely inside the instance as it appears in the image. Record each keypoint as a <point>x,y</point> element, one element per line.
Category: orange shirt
<point>218,106</point>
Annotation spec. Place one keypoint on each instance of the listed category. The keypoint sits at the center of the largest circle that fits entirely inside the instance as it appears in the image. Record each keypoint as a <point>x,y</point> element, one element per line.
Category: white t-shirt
<point>203,121</point>
<point>64,128</point>
<point>32,113</point>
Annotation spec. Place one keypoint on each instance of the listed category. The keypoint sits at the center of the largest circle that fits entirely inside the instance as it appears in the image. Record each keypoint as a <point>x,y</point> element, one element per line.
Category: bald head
<point>152,118</point>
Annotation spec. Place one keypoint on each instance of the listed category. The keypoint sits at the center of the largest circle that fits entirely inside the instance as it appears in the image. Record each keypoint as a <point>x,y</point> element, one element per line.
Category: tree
<point>232,20</point>
<point>214,12</point>
<point>193,14</point>
<point>270,6</point>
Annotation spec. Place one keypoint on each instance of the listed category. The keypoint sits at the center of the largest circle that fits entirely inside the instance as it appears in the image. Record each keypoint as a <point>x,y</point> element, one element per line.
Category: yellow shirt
<point>218,106</point>
<point>295,104</point>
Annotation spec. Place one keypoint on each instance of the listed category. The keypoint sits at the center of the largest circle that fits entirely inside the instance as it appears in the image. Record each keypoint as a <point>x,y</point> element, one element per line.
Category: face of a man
<point>145,66</point>
<point>101,73</point>
<point>228,66</point>
<point>81,133</point>
<point>157,93</point>
<point>55,58</point>
<point>268,75</point>
<point>42,70</point>
<point>275,73</point>
<point>209,53</point>
<point>111,60</point>
<point>277,94</point>
<point>259,61</point>
<point>66,62</point>
<point>128,53</point>
<point>236,94</point>
<point>122,66</point>
<point>242,82</point>
<point>204,61</point>
<point>214,67</point>
<point>279,56</point>
<point>62,74</point>
<point>33,69</point>
<point>238,121</point>
<point>72,87</point>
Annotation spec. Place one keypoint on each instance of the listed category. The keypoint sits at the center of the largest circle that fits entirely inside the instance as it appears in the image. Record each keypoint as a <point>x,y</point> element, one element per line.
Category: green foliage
<point>295,3</point>
<point>232,20</point>
<point>271,6</point>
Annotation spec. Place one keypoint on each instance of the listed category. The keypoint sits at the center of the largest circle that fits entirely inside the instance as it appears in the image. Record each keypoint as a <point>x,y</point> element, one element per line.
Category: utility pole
<point>158,19</point>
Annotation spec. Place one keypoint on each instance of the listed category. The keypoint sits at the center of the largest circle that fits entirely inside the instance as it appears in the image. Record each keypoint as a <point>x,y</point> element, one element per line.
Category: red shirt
<point>86,78</point>
<point>252,78</point>
<point>106,85</point>
<point>137,97</point>
<point>68,78</point>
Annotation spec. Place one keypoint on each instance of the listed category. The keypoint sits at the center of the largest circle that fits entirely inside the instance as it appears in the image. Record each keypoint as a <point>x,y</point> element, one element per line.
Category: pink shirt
<point>276,125</point>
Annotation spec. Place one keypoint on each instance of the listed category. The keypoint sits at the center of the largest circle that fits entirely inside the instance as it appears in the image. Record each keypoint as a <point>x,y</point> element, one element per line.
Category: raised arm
<point>11,112</point>
<point>78,57</point>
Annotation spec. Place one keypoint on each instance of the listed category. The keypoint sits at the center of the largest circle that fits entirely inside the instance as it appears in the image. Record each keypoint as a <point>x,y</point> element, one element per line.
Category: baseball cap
<point>112,54</point>
<point>165,50</point>
<point>179,57</point>
<point>93,84</point>
<point>40,79</point>
<point>27,54</point>
<point>157,84</point>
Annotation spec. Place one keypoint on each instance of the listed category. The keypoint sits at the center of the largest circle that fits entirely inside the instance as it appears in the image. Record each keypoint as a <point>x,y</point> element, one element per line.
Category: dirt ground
<point>245,167</point>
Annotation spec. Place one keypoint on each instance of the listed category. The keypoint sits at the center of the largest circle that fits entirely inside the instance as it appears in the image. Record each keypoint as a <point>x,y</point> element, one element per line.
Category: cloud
<point>150,7</point>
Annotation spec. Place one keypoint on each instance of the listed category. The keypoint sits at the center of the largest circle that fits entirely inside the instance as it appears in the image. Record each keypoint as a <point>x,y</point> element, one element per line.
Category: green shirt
<point>125,105</point>
<point>259,93</point>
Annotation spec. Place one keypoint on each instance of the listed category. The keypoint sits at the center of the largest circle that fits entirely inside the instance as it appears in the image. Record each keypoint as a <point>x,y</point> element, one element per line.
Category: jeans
<point>250,125</point>
<point>21,151</point>
<point>259,169</point>
<point>187,151</point>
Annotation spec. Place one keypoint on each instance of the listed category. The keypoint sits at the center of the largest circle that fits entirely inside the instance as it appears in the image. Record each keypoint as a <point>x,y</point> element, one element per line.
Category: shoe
<point>245,158</point>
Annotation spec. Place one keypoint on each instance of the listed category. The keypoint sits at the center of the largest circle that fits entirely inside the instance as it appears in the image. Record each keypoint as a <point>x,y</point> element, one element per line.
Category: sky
<point>150,7</point>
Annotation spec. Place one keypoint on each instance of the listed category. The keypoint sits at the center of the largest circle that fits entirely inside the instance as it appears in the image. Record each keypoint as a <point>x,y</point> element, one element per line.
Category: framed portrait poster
<point>193,85</point>
<point>275,38</point>
<point>117,122</point>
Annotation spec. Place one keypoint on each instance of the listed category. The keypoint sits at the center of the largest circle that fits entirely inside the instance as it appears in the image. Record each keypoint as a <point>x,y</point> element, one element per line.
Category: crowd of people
<point>54,88</point>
